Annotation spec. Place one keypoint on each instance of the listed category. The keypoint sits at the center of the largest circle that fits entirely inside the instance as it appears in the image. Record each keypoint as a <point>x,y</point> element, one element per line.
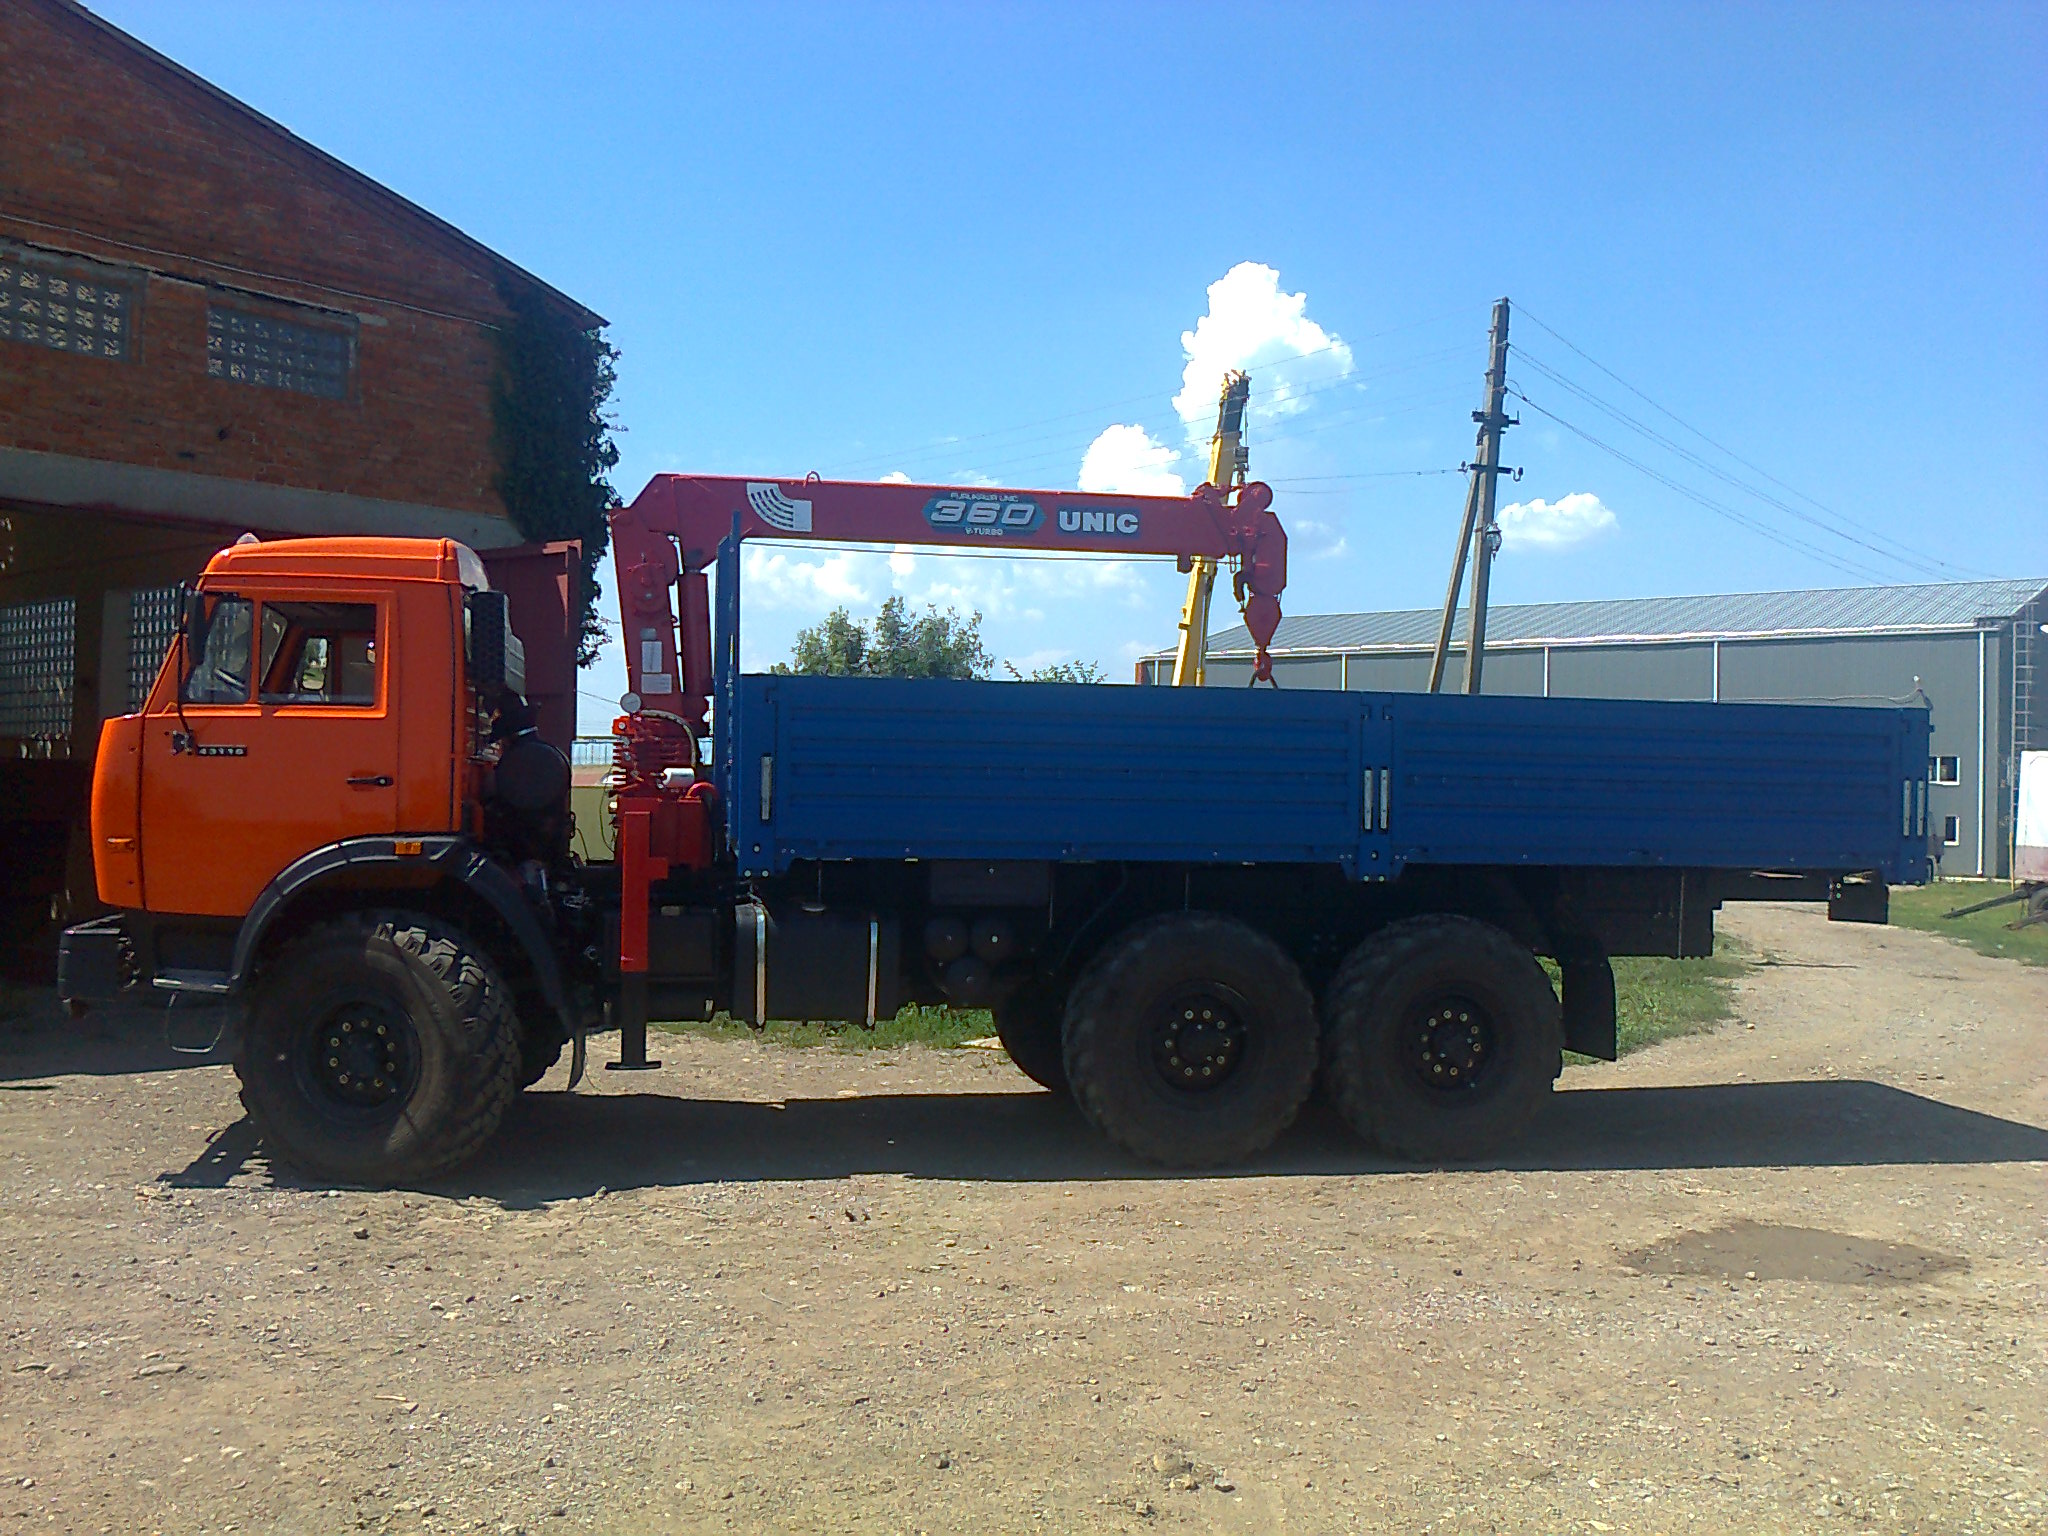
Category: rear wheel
<point>380,1048</point>
<point>1028,1024</point>
<point>1191,1040</point>
<point>1443,1038</point>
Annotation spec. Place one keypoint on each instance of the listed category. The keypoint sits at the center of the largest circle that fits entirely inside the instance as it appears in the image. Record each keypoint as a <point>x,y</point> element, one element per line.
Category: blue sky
<point>961,242</point>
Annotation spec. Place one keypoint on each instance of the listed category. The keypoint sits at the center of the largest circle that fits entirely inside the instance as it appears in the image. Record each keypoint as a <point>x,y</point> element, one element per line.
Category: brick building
<point>207,326</point>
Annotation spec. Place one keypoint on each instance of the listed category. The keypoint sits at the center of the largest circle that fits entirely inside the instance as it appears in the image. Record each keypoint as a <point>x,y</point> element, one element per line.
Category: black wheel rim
<point>360,1057</point>
<point>1450,1043</point>
<point>1198,1039</point>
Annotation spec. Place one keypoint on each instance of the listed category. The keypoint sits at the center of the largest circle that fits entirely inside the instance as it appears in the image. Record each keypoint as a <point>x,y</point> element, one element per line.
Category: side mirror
<point>191,634</point>
<point>191,614</point>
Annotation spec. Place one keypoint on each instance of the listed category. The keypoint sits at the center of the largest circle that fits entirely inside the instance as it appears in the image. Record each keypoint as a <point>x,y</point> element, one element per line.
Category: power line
<point>1071,444</point>
<point>1925,565</point>
<point>1072,449</point>
<point>940,445</point>
<point>1720,509</point>
<point>1377,474</point>
<point>1908,555</point>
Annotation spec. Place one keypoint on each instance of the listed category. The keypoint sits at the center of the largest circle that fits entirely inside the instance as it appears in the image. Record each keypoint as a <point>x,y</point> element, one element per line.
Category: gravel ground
<point>1791,1276</point>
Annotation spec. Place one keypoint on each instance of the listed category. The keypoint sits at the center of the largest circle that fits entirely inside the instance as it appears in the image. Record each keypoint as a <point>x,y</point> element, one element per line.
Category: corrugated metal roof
<point>1955,605</point>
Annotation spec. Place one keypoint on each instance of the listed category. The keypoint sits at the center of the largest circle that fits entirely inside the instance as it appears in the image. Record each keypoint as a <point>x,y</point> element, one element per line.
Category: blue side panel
<point>1624,782</point>
<point>881,768</point>
<point>845,768</point>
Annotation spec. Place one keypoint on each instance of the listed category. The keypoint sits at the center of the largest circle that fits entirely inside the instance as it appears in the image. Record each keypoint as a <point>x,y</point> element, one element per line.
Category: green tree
<point>896,643</point>
<point>552,439</point>
<point>1060,672</point>
<point>836,648</point>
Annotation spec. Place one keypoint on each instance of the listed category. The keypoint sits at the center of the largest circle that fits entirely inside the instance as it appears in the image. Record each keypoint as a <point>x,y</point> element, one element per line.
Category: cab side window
<point>224,651</point>
<point>319,653</point>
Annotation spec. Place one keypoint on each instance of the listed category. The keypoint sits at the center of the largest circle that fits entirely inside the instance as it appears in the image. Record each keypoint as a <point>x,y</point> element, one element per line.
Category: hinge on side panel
<point>1369,811</point>
<point>1386,793</point>
<point>767,786</point>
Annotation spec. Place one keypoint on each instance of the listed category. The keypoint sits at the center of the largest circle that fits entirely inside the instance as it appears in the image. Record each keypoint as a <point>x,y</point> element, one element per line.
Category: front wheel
<point>381,1048</point>
<point>1191,1040</point>
<point>1443,1038</point>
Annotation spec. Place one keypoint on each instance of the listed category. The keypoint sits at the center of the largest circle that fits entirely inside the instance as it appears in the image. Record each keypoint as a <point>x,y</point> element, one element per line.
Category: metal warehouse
<point>1973,649</point>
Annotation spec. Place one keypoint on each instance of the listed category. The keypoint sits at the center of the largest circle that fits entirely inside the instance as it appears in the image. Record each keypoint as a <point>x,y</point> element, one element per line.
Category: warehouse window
<point>1945,770</point>
<point>38,668</point>
<point>67,306</point>
<point>152,625</point>
<point>1951,830</point>
<point>269,353</point>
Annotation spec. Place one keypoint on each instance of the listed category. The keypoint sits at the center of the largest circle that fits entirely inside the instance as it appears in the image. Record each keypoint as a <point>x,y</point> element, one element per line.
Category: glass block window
<point>152,625</point>
<point>47,302</point>
<point>277,354</point>
<point>37,669</point>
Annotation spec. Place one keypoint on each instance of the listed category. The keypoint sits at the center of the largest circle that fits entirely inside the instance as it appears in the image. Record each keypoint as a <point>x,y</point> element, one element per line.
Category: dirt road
<point>1789,1277</point>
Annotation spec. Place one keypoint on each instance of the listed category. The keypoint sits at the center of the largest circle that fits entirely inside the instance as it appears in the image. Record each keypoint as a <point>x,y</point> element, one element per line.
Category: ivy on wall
<point>552,439</point>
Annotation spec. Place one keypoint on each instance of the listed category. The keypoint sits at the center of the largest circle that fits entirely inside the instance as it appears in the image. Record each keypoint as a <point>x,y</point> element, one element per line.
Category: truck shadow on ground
<point>557,1146</point>
<point>40,1041</point>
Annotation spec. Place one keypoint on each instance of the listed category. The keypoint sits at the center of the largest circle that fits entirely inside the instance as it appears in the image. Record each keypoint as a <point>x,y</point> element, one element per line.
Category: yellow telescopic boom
<point>1228,462</point>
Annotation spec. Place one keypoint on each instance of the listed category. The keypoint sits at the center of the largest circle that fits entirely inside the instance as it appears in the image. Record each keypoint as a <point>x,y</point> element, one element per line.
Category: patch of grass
<point>1657,999</point>
<point>915,1024</point>
<point>1922,906</point>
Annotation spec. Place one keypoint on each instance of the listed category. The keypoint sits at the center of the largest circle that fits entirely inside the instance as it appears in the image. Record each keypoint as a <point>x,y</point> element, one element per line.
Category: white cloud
<point>779,577</point>
<point>1321,540</point>
<point>1541,524</point>
<point>1251,324</point>
<point>895,477</point>
<point>786,578</point>
<point>1130,461</point>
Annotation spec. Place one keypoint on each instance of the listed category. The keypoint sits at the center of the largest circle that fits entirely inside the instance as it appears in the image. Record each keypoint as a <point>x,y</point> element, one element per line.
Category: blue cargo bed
<point>866,768</point>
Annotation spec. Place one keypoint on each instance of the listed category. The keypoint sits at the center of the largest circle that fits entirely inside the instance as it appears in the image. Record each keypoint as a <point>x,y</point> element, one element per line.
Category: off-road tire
<point>428,982</point>
<point>1385,999</point>
<point>1134,989</point>
<point>1028,1022</point>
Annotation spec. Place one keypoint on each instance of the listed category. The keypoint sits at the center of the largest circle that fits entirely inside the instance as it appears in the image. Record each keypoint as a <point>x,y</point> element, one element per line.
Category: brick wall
<point>108,154</point>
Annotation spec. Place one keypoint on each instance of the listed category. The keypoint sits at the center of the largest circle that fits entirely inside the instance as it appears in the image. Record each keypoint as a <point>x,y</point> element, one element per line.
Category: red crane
<point>665,542</point>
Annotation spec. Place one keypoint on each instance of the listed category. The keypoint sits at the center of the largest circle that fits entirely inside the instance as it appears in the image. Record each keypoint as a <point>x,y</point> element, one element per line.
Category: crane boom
<point>664,542</point>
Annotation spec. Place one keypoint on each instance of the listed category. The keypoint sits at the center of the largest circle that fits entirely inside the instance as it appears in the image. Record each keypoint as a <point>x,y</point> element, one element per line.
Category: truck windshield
<point>221,674</point>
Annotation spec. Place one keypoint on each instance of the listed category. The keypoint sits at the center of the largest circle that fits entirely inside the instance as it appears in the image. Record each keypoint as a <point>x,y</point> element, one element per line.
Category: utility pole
<point>1228,462</point>
<point>1478,533</point>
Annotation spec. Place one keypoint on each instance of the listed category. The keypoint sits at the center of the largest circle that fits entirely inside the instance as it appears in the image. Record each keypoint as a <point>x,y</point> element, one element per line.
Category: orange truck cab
<point>338,719</point>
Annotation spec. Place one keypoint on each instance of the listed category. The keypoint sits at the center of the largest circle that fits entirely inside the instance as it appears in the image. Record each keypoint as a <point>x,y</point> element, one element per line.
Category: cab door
<point>280,736</point>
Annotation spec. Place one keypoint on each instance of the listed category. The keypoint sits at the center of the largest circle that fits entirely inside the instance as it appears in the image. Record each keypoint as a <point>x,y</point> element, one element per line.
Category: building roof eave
<point>364,187</point>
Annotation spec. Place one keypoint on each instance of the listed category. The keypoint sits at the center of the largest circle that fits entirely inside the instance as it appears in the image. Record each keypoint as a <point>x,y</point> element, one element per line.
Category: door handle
<point>369,781</point>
